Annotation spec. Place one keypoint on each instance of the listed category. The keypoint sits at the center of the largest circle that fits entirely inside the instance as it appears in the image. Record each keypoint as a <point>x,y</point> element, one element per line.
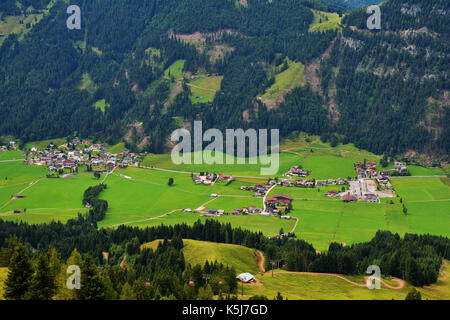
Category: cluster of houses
<point>236,212</point>
<point>368,170</point>
<point>297,171</point>
<point>77,153</point>
<point>206,179</point>
<point>260,189</point>
<point>12,146</point>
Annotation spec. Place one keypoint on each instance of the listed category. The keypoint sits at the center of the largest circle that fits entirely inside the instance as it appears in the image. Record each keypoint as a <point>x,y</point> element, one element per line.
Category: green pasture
<point>286,160</point>
<point>198,252</point>
<point>204,89</point>
<point>286,80</point>
<point>175,70</point>
<point>324,21</point>
<point>324,287</point>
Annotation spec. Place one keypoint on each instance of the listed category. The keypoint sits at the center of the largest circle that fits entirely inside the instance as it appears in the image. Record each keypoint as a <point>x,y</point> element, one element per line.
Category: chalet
<point>341,181</point>
<point>270,201</point>
<point>212,211</point>
<point>208,215</point>
<point>331,181</point>
<point>332,193</point>
<point>348,198</point>
<point>245,277</point>
<point>283,198</point>
<point>309,183</point>
<point>286,217</point>
<point>320,184</point>
<point>235,212</point>
<point>253,209</point>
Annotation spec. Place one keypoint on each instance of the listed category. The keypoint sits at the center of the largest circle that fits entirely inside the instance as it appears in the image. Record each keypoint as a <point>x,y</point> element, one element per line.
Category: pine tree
<point>413,295</point>
<point>127,292</point>
<point>20,274</point>
<point>43,286</point>
<point>92,287</point>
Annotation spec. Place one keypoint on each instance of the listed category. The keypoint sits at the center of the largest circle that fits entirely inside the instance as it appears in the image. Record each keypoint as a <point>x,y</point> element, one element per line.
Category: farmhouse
<point>253,209</point>
<point>332,193</point>
<point>246,277</point>
<point>348,198</point>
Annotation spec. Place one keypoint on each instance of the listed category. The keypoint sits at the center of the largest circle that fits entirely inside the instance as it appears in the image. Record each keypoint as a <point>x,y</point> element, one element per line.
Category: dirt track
<point>400,282</point>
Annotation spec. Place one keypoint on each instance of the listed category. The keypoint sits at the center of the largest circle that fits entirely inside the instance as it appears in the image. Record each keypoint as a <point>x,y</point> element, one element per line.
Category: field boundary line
<point>32,183</point>
<point>143,220</point>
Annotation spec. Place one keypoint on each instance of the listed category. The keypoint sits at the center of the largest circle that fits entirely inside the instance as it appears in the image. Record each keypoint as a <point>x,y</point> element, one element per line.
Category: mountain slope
<point>386,91</point>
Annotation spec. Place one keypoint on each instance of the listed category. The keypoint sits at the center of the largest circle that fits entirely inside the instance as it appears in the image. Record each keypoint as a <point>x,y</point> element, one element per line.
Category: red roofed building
<point>348,198</point>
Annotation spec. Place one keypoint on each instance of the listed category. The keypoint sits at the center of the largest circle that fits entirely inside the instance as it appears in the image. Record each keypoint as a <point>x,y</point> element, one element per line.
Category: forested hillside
<point>385,91</point>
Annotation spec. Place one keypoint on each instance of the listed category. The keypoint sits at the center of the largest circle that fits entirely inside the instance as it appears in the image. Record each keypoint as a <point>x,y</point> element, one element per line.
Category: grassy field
<point>286,160</point>
<point>44,143</point>
<point>427,201</point>
<point>145,199</point>
<point>49,199</point>
<point>198,252</point>
<point>11,155</point>
<point>117,148</point>
<point>204,89</point>
<point>287,80</point>
<point>175,70</point>
<point>101,104</point>
<point>45,199</point>
<point>323,287</point>
<point>3,275</point>
<point>324,21</point>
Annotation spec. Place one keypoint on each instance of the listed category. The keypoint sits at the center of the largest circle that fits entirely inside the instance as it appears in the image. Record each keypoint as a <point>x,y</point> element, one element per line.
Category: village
<point>369,185</point>
<point>68,157</point>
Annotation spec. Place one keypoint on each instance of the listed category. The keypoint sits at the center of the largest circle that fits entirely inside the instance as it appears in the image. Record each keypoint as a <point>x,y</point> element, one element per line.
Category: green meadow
<point>204,89</point>
<point>48,199</point>
<point>11,155</point>
<point>323,287</point>
<point>286,80</point>
<point>101,104</point>
<point>324,21</point>
<point>3,275</point>
<point>286,160</point>
<point>428,203</point>
<point>198,252</point>
<point>175,70</point>
<point>41,145</point>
